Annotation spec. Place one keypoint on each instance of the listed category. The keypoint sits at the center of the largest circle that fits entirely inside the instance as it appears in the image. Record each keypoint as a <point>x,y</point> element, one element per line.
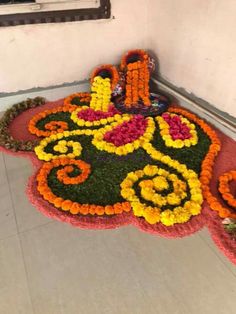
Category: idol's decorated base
<point>98,166</point>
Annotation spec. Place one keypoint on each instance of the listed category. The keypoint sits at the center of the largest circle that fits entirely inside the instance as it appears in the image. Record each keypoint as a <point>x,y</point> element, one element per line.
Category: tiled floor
<point>47,267</point>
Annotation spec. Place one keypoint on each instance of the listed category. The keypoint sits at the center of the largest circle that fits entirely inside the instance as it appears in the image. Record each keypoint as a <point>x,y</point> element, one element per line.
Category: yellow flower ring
<point>99,142</point>
<point>69,149</point>
<point>152,203</point>
<point>177,143</point>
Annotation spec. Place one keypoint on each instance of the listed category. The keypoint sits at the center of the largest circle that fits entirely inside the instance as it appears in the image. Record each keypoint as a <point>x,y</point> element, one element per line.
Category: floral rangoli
<point>121,155</point>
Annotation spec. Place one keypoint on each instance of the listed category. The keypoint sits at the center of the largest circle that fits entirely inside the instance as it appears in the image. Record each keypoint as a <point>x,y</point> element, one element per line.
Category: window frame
<point>59,16</point>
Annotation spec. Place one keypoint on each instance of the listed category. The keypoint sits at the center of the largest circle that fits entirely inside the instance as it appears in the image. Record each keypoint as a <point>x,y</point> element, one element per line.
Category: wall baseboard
<point>51,93</point>
<point>220,120</point>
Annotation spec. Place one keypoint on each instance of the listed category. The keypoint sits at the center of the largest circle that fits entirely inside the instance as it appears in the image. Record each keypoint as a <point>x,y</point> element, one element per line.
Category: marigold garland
<point>101,94</point>
<point>224,188</point>
<point>67,205</point>
<point>137,78</point>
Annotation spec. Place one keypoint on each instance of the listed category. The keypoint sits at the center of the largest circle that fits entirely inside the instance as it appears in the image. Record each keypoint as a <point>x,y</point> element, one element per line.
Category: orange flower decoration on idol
<point>106,71</point>
<point>224,187</point>
<point>135,63</point>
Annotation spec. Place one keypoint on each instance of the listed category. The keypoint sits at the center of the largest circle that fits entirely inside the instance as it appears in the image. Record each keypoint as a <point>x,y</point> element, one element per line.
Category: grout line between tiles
<point>20,242</point>
<point>8,237</point>
<point>36,227</point>
<point>218,255</point>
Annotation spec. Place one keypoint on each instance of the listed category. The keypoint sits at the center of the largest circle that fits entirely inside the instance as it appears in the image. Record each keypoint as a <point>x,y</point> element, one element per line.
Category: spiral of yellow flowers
<point>170,207</point>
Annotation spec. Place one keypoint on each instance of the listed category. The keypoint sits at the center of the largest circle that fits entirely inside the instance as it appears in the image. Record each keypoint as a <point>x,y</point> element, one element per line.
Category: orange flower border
<point>208,163</point>
<point>224,188</point>
<point>51,126</point>
<point>111,69</point>
<point>74,208</point>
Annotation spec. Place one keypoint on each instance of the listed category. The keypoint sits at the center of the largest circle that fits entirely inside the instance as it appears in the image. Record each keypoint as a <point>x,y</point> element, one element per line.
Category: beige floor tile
<point>205,236</point>
<point>7,218</point>
<point>124,271</point>
<point>19,170</point>
<point>14,294</point>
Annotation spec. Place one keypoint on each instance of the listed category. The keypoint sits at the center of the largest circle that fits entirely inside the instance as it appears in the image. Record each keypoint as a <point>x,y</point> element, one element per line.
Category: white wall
<point>195,41</point>
<point>51,54</point>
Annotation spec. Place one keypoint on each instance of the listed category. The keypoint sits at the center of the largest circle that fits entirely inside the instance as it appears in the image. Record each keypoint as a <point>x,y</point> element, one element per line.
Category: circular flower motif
<point>56,126</point>
<point>65,167</point>
<point>64,174</point>
<point>62,147</point>
<point>171,207</point>
<point>224,188</point>
<point>52,127</point>
<point>176,130</point>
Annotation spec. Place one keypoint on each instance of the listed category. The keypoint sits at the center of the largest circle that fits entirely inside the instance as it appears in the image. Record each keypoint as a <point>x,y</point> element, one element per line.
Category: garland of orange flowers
<point>68,205</point>
<point>224,188</point>
<point>207,164</point>
<point>84,98</point>
<point>137,78</point>
<point>111,69</point>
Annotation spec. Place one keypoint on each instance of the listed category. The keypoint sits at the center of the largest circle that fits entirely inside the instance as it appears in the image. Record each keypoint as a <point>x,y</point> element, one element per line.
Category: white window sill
<point>45,6</point>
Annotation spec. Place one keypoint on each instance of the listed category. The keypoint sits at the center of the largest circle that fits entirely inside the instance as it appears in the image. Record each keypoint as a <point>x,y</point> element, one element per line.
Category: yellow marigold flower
<point>147,193</point>
<point>126,184</point>
<point>167,217</point>
<point>126,193</point>
<point>137,208</point>
<point>173,199</point>
<point>146,184</point>
<point>150,170</point>
<point>159,200</point>
<point>195,208</point>
<point>160,183</point>
<point>152,215</point>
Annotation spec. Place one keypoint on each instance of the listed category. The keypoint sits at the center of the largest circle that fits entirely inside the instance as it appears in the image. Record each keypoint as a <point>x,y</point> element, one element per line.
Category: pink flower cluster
<point>178,129</point>
<point>127,132</point>
<point>95,115</point>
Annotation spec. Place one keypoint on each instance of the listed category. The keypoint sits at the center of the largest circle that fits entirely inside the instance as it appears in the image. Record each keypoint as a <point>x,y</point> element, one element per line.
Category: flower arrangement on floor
<point>101,167</point>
